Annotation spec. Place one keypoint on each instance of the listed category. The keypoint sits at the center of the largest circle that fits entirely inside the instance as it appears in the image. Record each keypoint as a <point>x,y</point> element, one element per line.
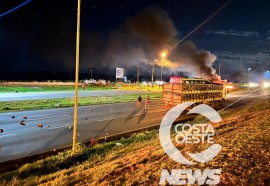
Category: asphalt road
<point>61,94</point>
<point>94,121</point>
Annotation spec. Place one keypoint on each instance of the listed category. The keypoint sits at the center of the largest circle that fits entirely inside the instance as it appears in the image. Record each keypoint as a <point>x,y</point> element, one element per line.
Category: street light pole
<point>163,54</point>
<point>153,69</point>
<point>138,74</point>
<point>248,75</point>
<point>161,72</point>
<point>219,69</point>
<point>76,79</point>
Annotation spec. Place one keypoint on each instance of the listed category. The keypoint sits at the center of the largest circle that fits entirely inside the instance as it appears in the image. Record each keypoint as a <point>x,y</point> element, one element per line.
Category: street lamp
<point>248,75</point>
<point>163,55</point>
<point>153,71</point>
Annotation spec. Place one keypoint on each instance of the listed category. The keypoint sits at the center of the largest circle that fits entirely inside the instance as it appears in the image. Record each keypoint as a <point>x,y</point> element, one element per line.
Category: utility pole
<point>76,79</point>
<point>91,73</point>
<point>153,69</point>
<point>248,75</point>
<point>161,72</point>
<point>138,74</point>
<point>219,69</point>
<point>163,55</point>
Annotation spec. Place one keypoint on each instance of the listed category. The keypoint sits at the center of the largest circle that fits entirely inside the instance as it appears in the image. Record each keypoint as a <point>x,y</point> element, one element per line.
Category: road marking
<point>8,135</point>
<point>60,127</point>
<point>47,117</point>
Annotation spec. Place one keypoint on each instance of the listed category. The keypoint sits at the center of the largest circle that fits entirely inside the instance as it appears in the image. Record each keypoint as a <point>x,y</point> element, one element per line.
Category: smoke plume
<point>139,40</point>
<point>143,37</point>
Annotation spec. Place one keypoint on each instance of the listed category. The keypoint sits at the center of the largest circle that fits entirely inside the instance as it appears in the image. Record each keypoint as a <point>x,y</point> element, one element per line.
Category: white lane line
<point>8,135</point>
<point>59,127</point>
<point>47,118</point>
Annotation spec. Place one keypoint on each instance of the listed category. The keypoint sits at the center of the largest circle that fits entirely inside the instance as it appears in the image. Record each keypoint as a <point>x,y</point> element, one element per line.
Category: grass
<point>28,87</point>
<point>69,102</point>
<point>243,160</point>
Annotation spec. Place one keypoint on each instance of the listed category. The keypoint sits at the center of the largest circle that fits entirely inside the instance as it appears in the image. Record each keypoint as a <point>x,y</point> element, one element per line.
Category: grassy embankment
<point>8,106</point>
<point>243,160</point>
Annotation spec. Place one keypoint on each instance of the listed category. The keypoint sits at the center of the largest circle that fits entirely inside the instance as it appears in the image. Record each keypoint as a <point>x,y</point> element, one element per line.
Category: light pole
<point>138,74</point>
<point>91,73</point>
<point>153,69</point>
<point>248,75</point>
<point>163,55</point>
<point>76,79</point>
<point>219,69</point>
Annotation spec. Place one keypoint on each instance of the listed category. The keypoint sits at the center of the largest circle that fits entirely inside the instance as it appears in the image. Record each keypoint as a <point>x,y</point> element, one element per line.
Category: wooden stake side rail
<point>175,93</point>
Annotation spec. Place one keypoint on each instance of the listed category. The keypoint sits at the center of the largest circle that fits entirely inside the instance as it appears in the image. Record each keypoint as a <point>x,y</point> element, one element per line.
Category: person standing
<point>83,86</point>
<point>147,103</point>
<point>139,102</point>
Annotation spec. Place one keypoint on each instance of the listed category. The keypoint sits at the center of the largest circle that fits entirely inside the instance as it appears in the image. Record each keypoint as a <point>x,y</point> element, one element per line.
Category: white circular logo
<point>189,133</point>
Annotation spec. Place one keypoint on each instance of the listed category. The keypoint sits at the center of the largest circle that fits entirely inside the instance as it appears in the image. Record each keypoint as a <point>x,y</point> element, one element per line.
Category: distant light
<point>266,84</point>
<point>252,84</point>
<point>144,83</point>
<point>159,82</point>
<point>229,86</point>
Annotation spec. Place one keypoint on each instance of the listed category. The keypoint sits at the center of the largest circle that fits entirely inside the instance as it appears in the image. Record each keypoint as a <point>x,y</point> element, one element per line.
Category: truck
<point>197,90</point>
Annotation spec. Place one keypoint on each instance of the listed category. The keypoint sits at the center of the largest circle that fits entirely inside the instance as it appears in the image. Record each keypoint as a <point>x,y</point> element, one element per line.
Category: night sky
<point>40,37</point>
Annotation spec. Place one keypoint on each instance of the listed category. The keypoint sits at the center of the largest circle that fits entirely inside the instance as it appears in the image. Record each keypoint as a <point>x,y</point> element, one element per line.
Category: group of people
<point>147,102</point>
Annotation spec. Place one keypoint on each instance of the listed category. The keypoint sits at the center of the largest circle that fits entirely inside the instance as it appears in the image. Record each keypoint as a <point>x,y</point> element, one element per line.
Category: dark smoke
<point>139,40</point>
<point>142,38</point>
<point>196,62</point>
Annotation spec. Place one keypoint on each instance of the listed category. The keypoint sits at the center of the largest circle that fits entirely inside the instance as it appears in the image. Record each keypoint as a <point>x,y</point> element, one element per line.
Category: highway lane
<point>62,94</point>
<point>94,121</point>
